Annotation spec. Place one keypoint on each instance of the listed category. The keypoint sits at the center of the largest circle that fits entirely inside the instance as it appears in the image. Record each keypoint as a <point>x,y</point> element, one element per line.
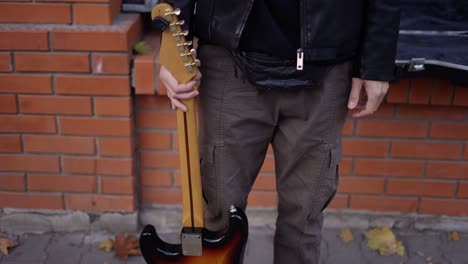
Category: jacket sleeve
<point>376,59</point>
<point>186,7</point>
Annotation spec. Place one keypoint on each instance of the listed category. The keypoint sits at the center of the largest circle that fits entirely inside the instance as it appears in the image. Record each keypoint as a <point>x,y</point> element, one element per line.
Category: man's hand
<point>176,91</point>
<point>366,101</point>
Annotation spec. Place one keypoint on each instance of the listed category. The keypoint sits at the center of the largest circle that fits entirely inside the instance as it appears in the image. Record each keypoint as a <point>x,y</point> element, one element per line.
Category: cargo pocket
<point>209,178</point>
<point>330,183</point>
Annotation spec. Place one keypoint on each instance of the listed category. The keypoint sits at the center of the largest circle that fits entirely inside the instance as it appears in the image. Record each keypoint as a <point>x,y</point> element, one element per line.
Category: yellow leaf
<point>107,245</point>
<point>346,235</point>
<point>6,243</point>
<point>383,240</point>
<point>455,236</point>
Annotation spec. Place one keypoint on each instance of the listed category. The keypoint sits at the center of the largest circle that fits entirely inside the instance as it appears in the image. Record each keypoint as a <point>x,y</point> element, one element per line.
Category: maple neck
<point>192,198</point>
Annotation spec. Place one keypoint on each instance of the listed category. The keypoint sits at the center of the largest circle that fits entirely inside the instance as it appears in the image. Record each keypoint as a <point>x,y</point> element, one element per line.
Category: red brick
<point>90,41</point>
<point>61,183</point>
<point>449,130</point>
<point>156,178</point>
<point>431,112</point>
<point>66,105</point>
<point>379,203</point>
<point>262,199</point>
<point>466,152</point>
<point>5,62</point>
<point>95,202</point>
<point>345,167</point>
<point>167,160</point>
<point>98,166</point>
<point>390,128</point>
<point>428,150</point>
<point>384,110</point>
<point>104,63</point>
<point>398,92</point>
<point>148,102</point>
<point>449,170</point>
<point>348,127</point>
<point>368,148</point>
<point>35,13</point>
<point>442,93</point>
<point>462,190</point>
<point>340,201</point>
<point>28,124</point>
<point>444,206</point>
<point>31,201</point>
<point>145,68</point>
<point>162,196</point>
<point>117,185</point>
<point>95,85</point>
<point>113,106</point>
<point>461,96</point>
<point>52,62</point>
<point>29,163</point>
<point>154,140</point>
<point>12,182</point>
<point>420,91</point>
<point>265,182</point>
<point>10,144</point>
<point>268,164</point>
<point>116,147</point>
<point>8,104</point>
<point>95,126</point>
<point>24,40</point>
<point>367,167</point>
<point>165,120</point>
<point>97,14</point>
<point>26,83</point>
<point>418,187</point>
<point>360,185</point>
<point>59,144</point>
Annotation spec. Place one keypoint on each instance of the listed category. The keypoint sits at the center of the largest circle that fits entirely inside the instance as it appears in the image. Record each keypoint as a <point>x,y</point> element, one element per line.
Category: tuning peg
<point>194,53</point>
<point>197,63</point>
<point>175,12</point>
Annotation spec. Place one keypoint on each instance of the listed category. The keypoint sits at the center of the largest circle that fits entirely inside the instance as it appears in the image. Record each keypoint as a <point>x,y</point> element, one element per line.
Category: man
<point>280,72</point>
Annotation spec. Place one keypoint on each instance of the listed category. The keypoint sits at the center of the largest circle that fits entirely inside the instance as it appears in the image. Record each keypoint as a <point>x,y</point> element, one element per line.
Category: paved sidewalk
<point>82,248</point>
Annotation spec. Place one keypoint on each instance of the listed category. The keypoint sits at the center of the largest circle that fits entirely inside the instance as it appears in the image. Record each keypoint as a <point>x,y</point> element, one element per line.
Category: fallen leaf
<point>346,235</point>
<point>455,236</point>
<point>6,243</point>
<point>126,246</point>
<point>107,245</point>
<point>383,240</point>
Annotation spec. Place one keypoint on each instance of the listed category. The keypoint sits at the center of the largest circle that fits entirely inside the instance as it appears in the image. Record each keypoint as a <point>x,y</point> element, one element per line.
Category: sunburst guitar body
<point>198,245</point>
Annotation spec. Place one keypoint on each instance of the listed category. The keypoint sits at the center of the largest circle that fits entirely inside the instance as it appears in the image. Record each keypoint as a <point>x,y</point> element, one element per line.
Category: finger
<point>364,112</point>
<point>184,88</point>
<point>179,105</point>
<point>186,95</point>
<point>355,92</point>
<point>167,78</point>
<point>198,76</point>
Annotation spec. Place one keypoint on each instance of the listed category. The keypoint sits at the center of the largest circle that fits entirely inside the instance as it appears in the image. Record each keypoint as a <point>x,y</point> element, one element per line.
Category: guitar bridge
<point>191,242</point>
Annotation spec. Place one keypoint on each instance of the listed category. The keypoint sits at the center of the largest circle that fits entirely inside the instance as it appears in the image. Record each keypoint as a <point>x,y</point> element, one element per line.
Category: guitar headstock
<point>176,53</point>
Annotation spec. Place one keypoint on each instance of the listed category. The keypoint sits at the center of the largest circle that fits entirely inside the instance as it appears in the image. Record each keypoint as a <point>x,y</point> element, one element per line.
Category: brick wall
<point>411,156</point>
<point>66,123</point>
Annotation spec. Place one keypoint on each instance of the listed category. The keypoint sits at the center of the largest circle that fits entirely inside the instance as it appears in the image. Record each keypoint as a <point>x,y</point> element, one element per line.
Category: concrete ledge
<point>20,221</point>
<point>169,218</point>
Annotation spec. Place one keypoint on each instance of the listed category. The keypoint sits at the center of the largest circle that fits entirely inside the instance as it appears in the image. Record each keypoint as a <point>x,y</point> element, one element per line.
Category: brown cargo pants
<point>237,123</point>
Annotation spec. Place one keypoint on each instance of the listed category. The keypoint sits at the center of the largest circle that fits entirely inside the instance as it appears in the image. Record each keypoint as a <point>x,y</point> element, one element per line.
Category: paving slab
<point>31,248</point>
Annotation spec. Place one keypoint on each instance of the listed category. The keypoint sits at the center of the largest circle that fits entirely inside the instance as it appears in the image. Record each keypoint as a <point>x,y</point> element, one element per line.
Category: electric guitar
<point>198,245</point>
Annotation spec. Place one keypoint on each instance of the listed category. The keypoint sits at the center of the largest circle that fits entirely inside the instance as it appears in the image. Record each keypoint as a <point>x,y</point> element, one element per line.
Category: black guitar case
<point>433,40</point>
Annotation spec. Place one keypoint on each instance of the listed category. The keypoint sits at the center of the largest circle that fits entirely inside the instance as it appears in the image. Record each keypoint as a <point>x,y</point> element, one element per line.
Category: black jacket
<point>331,30</point>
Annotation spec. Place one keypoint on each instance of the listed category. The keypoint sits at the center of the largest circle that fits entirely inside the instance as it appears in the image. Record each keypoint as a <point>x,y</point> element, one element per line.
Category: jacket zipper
<point>300,51</point>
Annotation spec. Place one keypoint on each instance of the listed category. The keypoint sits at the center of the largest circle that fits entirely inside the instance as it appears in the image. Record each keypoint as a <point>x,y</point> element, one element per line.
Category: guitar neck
<point>192,203</point>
